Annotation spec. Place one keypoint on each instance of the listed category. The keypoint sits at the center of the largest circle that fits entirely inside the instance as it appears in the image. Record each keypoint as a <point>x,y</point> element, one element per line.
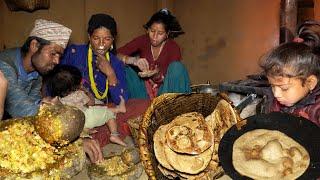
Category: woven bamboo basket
<point>162,111</point>
<point>27,5</point>
<point>134,124</point>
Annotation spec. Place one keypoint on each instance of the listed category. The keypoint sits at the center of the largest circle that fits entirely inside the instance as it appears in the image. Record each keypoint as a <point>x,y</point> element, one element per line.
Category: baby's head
<point>63,80</point>
<point>293,71</point>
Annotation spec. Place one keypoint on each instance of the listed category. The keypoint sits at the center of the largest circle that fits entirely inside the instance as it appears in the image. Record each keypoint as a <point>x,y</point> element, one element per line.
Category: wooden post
<point>316,10</point>
<point>288,20</point>
<point>165,4</point>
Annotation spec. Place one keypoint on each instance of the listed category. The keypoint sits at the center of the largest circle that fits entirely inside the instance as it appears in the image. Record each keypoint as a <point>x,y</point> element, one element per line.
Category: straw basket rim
<point>30,5</point>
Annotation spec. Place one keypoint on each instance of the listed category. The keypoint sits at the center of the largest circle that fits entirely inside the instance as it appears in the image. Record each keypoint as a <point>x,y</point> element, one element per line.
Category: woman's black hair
<point>103,20</point>
<point>26,46</point>
<point>309,31</point>
<point>169,21</point>
<point>63,80</point>
<point>291,60</point>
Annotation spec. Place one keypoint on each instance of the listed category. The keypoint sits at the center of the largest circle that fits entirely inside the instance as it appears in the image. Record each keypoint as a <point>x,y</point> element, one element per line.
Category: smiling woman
<point>102,72</point>
<point>103,75</point>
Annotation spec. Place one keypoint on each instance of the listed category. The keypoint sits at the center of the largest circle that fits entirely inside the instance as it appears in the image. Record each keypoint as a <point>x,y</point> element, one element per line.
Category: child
<point>65,82</point>
<point>293,71</point>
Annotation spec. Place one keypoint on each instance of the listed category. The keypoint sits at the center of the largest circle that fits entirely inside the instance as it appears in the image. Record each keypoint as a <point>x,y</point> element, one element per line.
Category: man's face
<point>45,59</point>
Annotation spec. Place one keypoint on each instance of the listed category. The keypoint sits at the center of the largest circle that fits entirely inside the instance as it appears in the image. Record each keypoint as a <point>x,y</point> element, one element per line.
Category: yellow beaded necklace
<point>91,77</point>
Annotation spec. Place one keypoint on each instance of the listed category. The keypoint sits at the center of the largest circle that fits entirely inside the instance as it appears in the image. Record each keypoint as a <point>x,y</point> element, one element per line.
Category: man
<point>23,67</point>
<point>3,93</point>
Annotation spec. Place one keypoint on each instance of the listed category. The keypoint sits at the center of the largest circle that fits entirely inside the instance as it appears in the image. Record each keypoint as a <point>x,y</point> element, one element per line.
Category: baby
<point>65,82</point>
<point>293,71</point>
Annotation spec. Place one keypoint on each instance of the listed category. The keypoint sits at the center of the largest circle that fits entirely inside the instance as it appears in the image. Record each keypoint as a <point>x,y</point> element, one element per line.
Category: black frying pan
<point>301,130</point>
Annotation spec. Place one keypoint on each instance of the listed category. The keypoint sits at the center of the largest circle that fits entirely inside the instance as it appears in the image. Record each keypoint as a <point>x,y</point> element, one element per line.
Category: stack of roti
<point>269,154</point>
<point>187,147</point>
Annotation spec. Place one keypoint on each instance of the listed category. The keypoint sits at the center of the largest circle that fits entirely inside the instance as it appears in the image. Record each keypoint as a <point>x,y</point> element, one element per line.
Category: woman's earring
<point>111,47</point>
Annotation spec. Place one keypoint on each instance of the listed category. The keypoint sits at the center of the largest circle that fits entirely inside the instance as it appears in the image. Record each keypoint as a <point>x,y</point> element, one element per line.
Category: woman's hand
<point>92,149</point>
<point>148,73</point>
<point>142,64</point>
<point>105,67</point>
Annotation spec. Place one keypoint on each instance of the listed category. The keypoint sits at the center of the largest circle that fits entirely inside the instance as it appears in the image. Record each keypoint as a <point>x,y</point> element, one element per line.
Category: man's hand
<point>52,101</point>
<point>92,149</point>
<point>3,92</point>
<point>3,81</point>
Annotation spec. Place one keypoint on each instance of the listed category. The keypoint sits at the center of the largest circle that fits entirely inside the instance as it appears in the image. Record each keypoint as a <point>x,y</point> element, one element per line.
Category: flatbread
<point>147,73</point>
<point>159,142</point>
<point>269,154</point>
<point>223,115</point>
<point>221,119</point>
<point>169,174</point>
<point>191,164</point>
<point>189,134</point>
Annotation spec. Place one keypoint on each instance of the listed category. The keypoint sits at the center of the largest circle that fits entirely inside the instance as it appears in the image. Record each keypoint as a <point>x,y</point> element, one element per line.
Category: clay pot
<point>59,125</point>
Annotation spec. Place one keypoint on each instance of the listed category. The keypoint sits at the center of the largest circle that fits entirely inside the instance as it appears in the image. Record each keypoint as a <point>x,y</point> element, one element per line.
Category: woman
<point>103,73</point>
<point>309,34</point>
<point>104,76</point>
<point>159,59</point>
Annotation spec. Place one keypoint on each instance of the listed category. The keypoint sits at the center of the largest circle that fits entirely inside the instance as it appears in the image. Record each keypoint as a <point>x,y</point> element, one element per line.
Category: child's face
<point>288,91</point>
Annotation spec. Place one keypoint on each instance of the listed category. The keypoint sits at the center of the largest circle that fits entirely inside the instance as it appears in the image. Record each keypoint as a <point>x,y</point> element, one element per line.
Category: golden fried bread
<point>269,154</point>
<point>191,164</point>
<point>189,134</point>
<point>159,142</point>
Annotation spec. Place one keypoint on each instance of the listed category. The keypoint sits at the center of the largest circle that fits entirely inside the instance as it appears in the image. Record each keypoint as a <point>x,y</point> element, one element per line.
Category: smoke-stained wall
<point>223,40</point>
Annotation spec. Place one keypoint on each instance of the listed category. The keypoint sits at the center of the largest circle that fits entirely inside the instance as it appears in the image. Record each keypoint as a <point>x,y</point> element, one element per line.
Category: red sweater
<point>142,46</point>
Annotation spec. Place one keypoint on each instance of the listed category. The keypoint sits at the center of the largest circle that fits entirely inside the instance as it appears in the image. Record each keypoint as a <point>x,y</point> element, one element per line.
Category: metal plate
<point>300,129</point>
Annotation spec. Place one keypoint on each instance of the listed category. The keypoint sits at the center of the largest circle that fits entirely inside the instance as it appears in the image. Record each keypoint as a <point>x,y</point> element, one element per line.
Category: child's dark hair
<point>169,21</point>
<point>63,80</point>
<point>309,31</point>
<point>291,60</point>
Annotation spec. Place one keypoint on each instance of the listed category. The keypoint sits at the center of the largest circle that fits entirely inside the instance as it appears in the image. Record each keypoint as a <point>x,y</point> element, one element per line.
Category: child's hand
<point>90,96</point>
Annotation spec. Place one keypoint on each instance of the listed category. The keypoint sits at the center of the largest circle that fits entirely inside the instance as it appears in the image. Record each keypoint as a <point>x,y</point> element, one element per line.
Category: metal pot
<point>204,88</point>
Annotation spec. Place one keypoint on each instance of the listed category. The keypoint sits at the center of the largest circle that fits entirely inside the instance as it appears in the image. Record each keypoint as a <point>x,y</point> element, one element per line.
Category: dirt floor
<point>114,149</point>
<point>110,150</point>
